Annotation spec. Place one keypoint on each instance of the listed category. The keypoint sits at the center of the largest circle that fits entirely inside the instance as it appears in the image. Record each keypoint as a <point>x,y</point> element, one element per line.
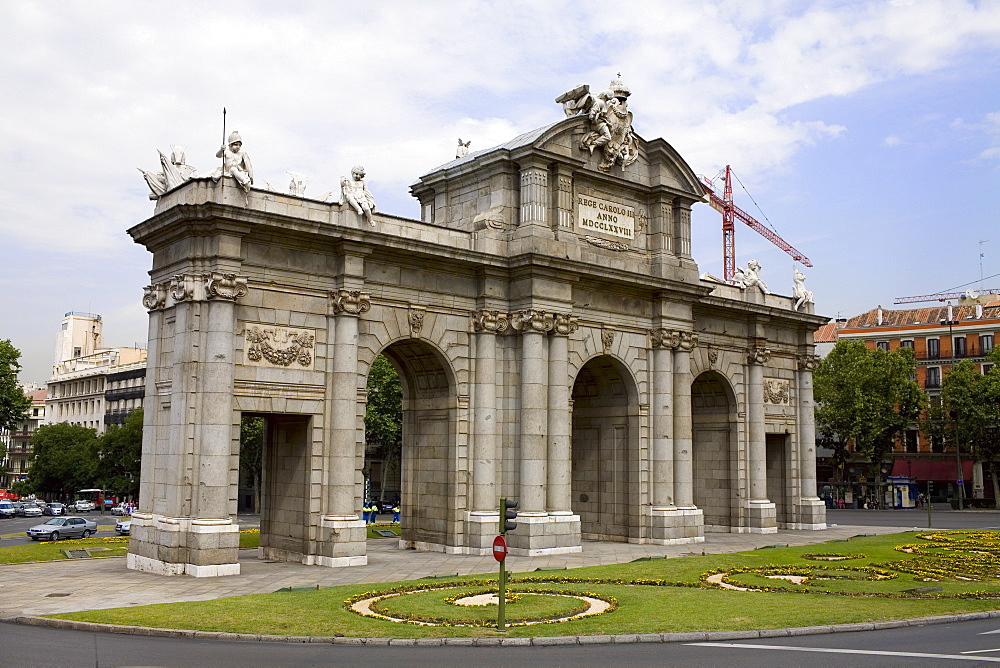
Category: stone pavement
<point>69,586</point>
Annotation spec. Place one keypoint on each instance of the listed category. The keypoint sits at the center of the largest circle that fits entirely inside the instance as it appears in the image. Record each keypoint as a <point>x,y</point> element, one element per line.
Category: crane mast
<point>730,214</point>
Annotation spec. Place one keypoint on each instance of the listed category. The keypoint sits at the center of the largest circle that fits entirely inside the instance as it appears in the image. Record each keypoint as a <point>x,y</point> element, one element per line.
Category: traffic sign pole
<point>502,598</point>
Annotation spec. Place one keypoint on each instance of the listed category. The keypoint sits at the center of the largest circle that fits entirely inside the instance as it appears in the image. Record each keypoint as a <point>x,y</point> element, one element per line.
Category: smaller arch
<point>715,450</point>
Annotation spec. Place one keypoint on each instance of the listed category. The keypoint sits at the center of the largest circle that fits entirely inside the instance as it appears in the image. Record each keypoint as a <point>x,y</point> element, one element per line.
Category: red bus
<point>7,494</point>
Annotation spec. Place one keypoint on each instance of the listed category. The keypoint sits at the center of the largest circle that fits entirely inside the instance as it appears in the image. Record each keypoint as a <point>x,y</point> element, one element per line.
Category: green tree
<point>14,404</point>
<point>65,459</point>
<point>384,415</point>
<point>866,397</point>
<point>251,455</point>
<point>120,454</point>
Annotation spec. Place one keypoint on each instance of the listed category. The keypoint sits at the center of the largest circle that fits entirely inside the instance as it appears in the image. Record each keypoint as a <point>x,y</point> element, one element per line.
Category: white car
<point>31,510</point>
<point>124,527</point>
<point>84,506</point>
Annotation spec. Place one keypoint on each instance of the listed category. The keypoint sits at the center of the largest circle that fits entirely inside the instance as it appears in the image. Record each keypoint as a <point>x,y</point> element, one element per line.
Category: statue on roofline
<point>236,163</point>
<point>355,192</point>
<point>802,296</point>
<point>610,122</point>
<point>750,277</point>
<point>175,172</point>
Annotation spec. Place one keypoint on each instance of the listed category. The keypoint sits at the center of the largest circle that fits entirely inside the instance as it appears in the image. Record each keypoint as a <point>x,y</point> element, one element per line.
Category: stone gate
<point>553,337</point>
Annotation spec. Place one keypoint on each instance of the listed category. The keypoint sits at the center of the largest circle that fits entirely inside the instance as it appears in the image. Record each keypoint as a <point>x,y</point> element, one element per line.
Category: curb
<point>542,641</point>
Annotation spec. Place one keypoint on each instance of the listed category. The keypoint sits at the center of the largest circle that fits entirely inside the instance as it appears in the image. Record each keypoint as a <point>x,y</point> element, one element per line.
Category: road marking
<point>986,633</point>
<point>826,650</point>
<point>981,651</point>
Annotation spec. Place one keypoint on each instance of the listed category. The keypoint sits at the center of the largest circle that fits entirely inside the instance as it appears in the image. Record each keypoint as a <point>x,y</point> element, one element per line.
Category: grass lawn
<point>115,546</point>
<point>653,596</point>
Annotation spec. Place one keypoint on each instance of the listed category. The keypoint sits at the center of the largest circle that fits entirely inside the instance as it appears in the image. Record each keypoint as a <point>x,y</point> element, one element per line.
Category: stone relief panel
<point>271,346</point>
<point>777,391</point>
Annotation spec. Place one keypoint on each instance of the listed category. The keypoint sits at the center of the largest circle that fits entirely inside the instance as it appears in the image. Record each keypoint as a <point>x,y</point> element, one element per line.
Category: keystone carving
<point>490,321</point>
<point>607,338</point>
<point>416,320</point>
<point>225,286</point>
<point>713,356</point>
<point>349,302</point>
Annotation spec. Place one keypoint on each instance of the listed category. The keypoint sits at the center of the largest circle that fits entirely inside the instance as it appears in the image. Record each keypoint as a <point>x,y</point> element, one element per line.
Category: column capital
<point>349,302</point>
<point>228,286</point>
<point>759,355</point>
<point>565,324</point>
<point>808,362</point>
<point>532,320</point>
<point>495,322</point>
<point>673,339</point>
<point>154,297</point>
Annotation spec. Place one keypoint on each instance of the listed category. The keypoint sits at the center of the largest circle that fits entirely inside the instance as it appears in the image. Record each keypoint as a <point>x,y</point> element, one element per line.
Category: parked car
<point>7,509</point>
<point>18,507</point>
<point>122,509</point>
<point>31,510</point>
<point>63,527</point>
<point>84,506</point>
<point>54,509</point>
<point>124,527</point>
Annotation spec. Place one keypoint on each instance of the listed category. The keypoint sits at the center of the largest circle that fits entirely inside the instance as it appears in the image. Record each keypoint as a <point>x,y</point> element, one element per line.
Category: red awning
<point>921,469</point>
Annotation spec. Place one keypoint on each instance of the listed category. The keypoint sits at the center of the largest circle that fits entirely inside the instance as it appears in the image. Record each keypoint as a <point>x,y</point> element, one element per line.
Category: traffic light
<point>508,513</point>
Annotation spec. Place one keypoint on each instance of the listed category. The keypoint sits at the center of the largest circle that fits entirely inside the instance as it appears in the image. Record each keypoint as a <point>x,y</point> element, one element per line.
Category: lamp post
<point>959,480</point>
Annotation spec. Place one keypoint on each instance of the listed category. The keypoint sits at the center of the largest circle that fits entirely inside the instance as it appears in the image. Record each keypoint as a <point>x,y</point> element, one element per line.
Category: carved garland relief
<point>777,391</point>
<point>272,346</point>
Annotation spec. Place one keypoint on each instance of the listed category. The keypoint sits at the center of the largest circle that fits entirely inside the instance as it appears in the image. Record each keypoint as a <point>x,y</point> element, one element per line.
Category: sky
<point>867,134</point>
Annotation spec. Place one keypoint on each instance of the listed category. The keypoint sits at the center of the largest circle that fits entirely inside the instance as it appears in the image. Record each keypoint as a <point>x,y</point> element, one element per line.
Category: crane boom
<point>942,296</point>
<point>730,213</point>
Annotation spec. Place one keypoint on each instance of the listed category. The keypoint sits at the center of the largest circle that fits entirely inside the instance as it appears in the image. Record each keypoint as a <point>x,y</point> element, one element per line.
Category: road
<point>970,643</point>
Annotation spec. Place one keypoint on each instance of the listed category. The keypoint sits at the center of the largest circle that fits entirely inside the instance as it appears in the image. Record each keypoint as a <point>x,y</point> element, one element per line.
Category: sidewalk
<point>70,586</point>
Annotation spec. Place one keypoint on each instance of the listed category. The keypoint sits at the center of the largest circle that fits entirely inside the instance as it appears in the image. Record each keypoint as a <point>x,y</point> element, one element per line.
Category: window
<point>959,346</point>
<point>985,343</point>
<point>882,345</point>
<point>77,352</point>
<point>933,377</point>
<point>910,440</point>
<point>937,444</point>
<point>987,367</point>
<point>908,343</point>
<point>933,349</point>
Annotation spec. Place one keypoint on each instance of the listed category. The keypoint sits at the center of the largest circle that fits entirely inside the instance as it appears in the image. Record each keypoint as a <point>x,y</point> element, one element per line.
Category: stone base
<point>201,547</point>
<point>762,517</point>
<point>674,526</point>
<point>811,515</point>
<point>544,533</point>
<point>481,527</point>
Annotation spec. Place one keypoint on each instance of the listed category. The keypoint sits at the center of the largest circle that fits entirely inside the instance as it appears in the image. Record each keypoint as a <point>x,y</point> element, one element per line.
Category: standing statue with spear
<point>235,162</point>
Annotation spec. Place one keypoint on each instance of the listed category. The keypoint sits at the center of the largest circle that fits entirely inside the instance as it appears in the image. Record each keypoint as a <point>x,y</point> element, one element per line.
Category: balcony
<point>964,353</point>
<point>123,395</point>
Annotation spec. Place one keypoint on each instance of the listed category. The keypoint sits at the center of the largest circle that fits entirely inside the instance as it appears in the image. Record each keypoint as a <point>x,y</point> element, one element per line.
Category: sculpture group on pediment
<point>174,172</point>
<point>609,119</point>
<point>750,277</point>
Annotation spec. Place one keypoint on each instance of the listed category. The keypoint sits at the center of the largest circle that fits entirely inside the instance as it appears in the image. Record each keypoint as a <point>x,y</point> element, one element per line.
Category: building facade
<point>19,444</point>
<point>554,341</point>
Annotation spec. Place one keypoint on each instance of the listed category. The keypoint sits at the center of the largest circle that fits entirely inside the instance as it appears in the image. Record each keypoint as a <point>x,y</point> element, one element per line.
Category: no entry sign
<point>499,548</point>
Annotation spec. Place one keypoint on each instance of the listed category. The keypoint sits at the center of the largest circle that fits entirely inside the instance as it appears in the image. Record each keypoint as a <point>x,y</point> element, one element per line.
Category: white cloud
<point>892,140</point>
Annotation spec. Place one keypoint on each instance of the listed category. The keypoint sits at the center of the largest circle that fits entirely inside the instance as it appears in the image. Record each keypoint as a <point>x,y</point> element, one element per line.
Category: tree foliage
<point>251,454</point>
<point>866,397</point>
<point>14,404</point>
<point>384,414</point>
<point>65,459</point>
<point>120,455</point>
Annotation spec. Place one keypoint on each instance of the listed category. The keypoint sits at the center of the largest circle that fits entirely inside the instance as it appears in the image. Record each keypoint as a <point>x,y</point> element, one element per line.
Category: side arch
<point>715,450</point>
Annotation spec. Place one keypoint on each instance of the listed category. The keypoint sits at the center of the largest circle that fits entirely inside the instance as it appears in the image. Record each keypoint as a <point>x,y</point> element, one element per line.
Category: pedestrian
<point>395,514</point>
<point>366,513</point>
<point>374,512</point>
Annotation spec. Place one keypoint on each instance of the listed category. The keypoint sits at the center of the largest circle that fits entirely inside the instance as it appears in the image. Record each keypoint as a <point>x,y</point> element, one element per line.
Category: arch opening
<point>714,450</point>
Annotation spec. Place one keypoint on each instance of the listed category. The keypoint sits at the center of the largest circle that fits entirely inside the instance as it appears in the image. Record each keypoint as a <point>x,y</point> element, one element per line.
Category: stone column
<point>661,419</point>
<point>683,456</point>
<point>811,511</point>
<point>342,532</point>
<point>559,491</point>
<point>533,325</point>
<point>186,528</point>
<point>761,514</point>
<point>482,519</point>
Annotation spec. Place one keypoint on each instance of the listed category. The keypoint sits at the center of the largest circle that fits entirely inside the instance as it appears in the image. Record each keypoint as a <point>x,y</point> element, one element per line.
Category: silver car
<point>31,510</point>
<point>124,527</point>
<point>63,527</point>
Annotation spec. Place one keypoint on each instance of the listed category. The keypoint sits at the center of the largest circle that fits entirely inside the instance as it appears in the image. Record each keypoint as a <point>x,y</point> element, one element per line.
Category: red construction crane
<point>944,296</point>
<point>730,214</point>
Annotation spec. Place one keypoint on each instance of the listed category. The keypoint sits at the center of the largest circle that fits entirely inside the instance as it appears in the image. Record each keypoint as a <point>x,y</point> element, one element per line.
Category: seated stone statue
<point>175,172</point>
<point>355,192</point>
<point>750,277</point>
<point>799,291</point>
<point>236,163</point>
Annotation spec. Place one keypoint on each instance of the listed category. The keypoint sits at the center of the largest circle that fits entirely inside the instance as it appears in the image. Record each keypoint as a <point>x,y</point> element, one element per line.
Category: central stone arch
<point>716,450</point>
<point>606,475</point>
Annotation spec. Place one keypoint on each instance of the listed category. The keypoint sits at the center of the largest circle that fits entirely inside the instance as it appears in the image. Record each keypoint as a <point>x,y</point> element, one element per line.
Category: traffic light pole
<point>502,598</point>
<point>507,513</point>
